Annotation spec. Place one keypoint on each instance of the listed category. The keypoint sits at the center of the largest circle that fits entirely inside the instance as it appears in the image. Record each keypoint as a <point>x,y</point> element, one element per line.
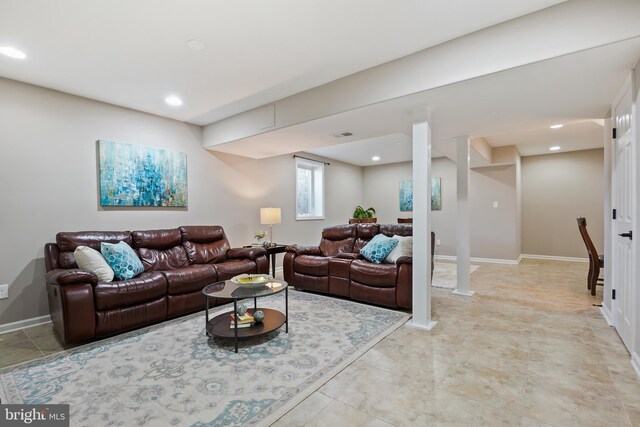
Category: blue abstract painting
<point>133,175</point>
<point>406,195</point>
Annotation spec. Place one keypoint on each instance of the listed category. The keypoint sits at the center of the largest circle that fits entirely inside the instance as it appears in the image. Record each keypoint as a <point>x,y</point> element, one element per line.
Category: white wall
<point>49,184</point>
<point>557,189</point>
<point>493,230</point>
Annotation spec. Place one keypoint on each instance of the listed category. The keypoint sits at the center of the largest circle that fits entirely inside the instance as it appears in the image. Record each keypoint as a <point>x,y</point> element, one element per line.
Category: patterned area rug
<point>446,276</point>
<point>172,374</point>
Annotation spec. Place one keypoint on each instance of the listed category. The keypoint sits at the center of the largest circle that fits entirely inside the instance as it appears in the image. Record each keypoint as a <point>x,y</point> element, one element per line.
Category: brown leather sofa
<point>335,267</point>
<point>178,263</point>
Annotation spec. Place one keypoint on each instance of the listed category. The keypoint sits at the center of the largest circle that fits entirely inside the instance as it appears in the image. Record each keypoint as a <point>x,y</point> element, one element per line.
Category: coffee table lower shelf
<point>219,325</point>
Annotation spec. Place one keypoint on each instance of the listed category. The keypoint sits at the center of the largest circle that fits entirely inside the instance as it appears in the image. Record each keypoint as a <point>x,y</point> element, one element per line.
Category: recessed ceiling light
<point>375,158</point>
<point>554,148</point>
<point>558,126</point>
<point>12,52</point>
<point>195,44</point>
<point>173,101</point>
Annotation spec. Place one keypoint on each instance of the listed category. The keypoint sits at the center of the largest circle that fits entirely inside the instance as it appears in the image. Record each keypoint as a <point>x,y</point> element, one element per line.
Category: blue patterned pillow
<point>378,248</point>
<point>122,259</point>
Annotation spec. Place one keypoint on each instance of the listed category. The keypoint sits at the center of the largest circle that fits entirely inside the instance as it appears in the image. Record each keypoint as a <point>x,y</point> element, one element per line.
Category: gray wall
<point>556,189</point>
<point>493,230</point>
<point>49,184</point>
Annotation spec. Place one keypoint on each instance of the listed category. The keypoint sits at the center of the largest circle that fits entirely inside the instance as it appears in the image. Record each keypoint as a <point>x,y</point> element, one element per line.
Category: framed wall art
<point>406,195</point>
<point>134,175</point>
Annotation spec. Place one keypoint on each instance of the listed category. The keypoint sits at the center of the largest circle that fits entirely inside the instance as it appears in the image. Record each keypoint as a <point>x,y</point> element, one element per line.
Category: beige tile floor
<point>528,349</point>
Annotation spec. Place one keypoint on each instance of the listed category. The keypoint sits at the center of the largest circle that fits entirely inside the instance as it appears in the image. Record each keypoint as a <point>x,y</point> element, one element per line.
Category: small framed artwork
<point>406,195</point>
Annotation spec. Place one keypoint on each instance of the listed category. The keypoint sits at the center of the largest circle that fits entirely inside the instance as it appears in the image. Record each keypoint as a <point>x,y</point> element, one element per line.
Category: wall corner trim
<point>553,258</point>
<point>606,314</point>
<point>635,362</point>
<point>20,324</point>
<point>479,260</point>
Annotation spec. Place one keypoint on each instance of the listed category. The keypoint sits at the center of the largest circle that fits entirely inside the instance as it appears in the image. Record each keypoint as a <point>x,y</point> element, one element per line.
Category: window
<point>309,189</point>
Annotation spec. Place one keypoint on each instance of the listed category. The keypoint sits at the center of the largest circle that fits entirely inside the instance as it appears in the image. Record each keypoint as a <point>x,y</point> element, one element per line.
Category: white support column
<point>421,222</point>
<point>463,241</point>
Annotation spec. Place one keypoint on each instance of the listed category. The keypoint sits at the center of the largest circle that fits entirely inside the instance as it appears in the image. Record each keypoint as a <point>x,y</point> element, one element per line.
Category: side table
<point>271,256</point>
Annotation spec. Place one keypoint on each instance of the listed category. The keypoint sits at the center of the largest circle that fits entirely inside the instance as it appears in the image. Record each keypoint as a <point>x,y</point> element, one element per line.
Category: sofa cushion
<point>93,261</point>
<point>377,275</point>
<point>364,233</point>
<point>67,242</point>
<point>160,250</point>
<point>378,248</point>
<point>122,259</point>
<point>189,279</point>
<point>403,249</point>
<point>227,269</point>
<point>146,287</point>
<point>311,265</point>
<point>337,239</point>
<point>205,244</point>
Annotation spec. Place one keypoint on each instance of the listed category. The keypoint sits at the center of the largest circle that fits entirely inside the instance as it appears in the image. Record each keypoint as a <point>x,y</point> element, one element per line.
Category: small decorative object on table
<point>258,316</point>
<point>251,279</point>
<point>259,235</point>
<point>242,309</point>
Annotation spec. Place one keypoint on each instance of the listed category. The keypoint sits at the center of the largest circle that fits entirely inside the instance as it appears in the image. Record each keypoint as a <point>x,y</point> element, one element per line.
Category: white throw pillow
<point>404,248</point>
<point>93,261</point>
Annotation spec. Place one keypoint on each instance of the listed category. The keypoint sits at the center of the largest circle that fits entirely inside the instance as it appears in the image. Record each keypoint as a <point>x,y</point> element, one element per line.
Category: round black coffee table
<point>219,325</point>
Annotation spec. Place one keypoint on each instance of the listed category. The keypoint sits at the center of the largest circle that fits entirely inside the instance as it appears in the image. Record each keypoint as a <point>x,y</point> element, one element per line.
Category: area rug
<point>172,374</point>
<point>446,276</point>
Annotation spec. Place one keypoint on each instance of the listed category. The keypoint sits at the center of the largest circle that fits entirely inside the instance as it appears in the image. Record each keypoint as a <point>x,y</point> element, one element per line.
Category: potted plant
<point>363,215</point>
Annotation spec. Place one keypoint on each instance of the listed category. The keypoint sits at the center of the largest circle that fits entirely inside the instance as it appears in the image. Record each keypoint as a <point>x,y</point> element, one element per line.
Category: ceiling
<point>135,53</point>
<point>513,107</point>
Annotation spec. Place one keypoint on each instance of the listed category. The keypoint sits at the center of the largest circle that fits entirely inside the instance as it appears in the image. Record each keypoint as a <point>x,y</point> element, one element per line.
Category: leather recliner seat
<point>336,267</point>
<point>178,264</point>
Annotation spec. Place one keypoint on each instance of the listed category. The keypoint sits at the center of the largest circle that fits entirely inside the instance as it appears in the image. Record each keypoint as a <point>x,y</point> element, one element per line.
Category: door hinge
<point>613,294</point>
<point>614,214</point>
<point>614,133</point>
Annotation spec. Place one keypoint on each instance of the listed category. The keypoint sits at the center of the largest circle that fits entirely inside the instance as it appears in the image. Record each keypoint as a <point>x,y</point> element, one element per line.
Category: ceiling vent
<point>340,135</point>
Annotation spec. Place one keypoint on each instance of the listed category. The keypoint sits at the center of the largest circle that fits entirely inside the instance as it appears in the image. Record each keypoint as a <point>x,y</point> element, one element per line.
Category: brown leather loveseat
<point>335,266</point>
<point>178,263</point>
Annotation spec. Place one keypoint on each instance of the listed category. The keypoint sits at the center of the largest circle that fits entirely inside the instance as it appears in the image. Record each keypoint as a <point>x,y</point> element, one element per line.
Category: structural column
<point>463,241</point>
<point>421,222</point>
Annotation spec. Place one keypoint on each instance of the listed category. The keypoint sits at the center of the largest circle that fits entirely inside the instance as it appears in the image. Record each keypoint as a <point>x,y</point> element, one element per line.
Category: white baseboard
<point>478,260</point>
<point>21,324</point>
<point>606,314</point>
<point>635,362</point>
<point>554,258</point>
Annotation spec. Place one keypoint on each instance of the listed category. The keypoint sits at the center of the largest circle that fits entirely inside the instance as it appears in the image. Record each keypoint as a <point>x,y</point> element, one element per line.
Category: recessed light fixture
<point>173,100</point>
<point>375,158</point>
<point>12,52</point>
<point>554,148</point>
<point>558,126</point>
<point>195,44</point>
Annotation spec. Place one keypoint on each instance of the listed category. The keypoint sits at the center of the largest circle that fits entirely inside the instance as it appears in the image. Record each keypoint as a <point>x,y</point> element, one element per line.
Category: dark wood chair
<point>596,262</point>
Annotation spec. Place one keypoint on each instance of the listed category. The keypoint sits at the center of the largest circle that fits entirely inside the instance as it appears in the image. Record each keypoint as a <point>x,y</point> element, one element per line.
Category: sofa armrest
<point>304,250</point>
<point>251,253</point>
<point>71,276</point>
<point>349,255</point>
<point>404,260</point>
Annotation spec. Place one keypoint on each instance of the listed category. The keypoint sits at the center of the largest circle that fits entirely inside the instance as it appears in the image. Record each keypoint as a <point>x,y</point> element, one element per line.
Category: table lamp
<point>270,216</point>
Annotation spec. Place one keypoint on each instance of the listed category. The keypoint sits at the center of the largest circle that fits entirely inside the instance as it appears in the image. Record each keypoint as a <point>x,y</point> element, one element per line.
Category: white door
<point>623,191</point>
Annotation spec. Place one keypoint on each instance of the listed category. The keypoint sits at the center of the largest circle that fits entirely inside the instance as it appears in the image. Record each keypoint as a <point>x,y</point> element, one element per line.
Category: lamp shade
<point>270,216</point>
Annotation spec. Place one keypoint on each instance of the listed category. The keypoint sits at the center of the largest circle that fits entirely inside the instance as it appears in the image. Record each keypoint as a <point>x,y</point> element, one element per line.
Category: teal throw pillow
<point>122,259</point>
<point>378,248</point>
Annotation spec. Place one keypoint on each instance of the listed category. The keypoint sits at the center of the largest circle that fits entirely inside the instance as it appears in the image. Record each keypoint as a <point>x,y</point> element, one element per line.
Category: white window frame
<point>317,192</point>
